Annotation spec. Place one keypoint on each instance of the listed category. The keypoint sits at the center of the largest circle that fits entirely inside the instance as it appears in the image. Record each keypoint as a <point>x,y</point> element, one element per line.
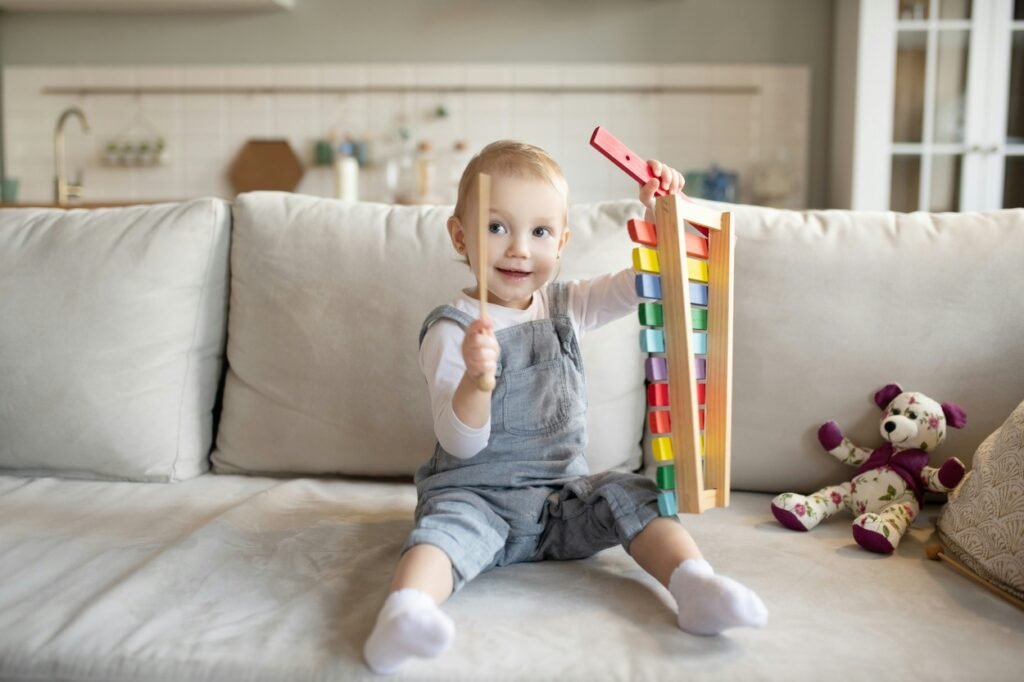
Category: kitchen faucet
<point>62,189</point>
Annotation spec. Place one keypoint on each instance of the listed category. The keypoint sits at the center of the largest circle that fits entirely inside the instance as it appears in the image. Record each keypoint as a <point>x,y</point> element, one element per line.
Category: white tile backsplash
<point>296,76</point>
<point>537,75</point>
<point>107,77</point>
<point>344,75</point>
<point>204,131</point>
<point>490,75</point>
<point>441,75</point>
<point>203,76</point>
<point>392,75</point>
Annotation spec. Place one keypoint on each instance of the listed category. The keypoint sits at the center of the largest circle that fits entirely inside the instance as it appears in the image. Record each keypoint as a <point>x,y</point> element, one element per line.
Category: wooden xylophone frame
<point>695,490</point>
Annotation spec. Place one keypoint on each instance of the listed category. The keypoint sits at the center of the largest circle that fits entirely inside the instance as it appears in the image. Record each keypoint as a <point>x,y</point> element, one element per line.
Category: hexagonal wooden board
<point>267,165</point>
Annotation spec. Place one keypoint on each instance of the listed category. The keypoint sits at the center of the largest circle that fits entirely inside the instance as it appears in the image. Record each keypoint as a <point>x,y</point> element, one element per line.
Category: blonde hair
<point>508,157</point>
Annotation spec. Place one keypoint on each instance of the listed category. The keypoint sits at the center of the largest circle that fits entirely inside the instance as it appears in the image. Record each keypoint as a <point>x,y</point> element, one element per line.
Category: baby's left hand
<point>666,178</point>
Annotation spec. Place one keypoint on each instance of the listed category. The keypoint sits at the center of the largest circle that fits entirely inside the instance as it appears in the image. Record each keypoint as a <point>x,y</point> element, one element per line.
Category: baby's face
<point>525,236</point>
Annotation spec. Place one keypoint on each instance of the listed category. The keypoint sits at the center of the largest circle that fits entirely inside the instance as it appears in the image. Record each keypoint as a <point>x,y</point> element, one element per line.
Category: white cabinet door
<point>1002,149</point>
<point>939,120</point>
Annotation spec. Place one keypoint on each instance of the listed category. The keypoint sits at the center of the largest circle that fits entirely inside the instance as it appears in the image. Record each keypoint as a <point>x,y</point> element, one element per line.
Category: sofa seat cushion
<point>983,523</point>
<point>327,299</point>
<point>233,577</point>
<point>112,326</point>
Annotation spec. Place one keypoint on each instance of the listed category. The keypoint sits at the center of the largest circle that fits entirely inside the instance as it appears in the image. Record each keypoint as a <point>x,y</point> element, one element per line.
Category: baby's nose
<point>518,248</point>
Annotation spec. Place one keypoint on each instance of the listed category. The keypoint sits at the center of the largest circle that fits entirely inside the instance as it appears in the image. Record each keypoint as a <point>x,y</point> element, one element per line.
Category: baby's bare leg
<point>410,624</point>
<point>661,547</point>
<point>427,569</point>
<point>708,603</point>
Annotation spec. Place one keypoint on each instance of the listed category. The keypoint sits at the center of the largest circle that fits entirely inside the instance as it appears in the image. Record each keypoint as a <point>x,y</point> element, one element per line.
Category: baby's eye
<point>541,231</point>
<point>496,228</point>
<point>895,410</point>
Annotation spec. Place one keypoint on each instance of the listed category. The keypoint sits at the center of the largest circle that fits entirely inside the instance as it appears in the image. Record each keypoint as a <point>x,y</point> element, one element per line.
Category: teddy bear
<point>886,493</point>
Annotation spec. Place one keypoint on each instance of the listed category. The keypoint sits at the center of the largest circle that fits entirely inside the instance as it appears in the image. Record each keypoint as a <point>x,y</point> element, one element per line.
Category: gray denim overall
<point>527,496</point>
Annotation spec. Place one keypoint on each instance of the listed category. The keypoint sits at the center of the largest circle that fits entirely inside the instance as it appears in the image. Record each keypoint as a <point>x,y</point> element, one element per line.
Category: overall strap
<point>445,312</point>
<point>558,299</point>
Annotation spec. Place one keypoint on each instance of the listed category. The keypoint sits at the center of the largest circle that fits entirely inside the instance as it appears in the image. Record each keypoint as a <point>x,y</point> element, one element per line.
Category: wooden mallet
<point>936,553</point>
<point>483,185</point>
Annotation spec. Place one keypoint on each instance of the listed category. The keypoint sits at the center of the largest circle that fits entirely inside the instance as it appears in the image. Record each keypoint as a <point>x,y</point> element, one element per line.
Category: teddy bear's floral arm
<point>841,447</point>
<point>944,478</point>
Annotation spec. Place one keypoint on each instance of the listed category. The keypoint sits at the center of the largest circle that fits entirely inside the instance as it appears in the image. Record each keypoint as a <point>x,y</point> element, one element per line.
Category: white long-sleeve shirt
<point>592,303</point>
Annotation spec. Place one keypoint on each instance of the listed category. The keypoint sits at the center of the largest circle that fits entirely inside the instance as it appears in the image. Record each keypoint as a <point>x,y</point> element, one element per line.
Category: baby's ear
<point>563,240</point>
<point>955,415</point>
<point>457,234</point>
<point>885,395</point>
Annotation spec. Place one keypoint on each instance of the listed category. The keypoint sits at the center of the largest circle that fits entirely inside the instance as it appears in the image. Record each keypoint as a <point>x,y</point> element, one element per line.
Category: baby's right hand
<point>480,349</point>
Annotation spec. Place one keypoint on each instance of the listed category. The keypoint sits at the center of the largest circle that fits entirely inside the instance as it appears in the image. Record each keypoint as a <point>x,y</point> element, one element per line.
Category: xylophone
<point>686,280</point>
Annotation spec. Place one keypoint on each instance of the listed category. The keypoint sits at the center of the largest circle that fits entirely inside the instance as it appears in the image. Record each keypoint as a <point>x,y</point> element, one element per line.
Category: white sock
<point>709,603</point>
<point>409,625</point>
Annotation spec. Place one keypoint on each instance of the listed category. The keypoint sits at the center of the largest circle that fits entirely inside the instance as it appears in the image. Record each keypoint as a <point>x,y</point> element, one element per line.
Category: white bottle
<point>425,174</point>
<point>346,174</point>
<point>456,165</point>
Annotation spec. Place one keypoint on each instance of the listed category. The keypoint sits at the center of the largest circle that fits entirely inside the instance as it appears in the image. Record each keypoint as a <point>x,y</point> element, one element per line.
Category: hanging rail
<point>83,91</point>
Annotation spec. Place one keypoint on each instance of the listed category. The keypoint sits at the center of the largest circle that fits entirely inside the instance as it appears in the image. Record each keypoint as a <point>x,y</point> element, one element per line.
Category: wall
<point>570,31</point>
<point>844,75</point>
<point>3,172</point>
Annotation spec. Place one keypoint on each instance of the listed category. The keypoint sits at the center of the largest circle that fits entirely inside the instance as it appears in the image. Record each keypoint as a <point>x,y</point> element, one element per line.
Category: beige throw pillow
<point>983,522</point>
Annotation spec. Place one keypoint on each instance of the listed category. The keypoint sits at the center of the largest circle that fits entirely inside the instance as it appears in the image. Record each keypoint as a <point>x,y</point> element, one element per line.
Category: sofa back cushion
<point>327,298</point>
<point>832,305</point>
<point>112,328</point>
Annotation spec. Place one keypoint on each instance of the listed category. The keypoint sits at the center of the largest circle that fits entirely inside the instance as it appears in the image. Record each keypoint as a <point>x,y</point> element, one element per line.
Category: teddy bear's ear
<point>885,395</point>
<point>955,415</point>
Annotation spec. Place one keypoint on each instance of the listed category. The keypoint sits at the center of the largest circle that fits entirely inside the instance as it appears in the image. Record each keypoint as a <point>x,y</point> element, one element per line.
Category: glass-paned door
<point>1013,162</point>
<point>935,43</point>
<point>994,164</point>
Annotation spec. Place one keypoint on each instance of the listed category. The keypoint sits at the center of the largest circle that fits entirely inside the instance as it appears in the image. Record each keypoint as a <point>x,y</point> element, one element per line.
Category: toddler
<point>508,481</point>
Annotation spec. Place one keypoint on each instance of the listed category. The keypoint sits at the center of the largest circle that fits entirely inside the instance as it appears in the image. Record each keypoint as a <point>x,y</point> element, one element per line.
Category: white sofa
<point>123,558</point>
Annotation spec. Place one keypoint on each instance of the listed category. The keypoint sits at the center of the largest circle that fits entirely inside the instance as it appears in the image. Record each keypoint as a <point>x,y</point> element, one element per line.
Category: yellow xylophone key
<point>646,260</point>
<point>661,448</point>
<point>696,270</point>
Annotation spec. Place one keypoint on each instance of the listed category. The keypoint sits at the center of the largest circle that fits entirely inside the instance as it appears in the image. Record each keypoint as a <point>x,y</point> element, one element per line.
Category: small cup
<point>9,191</point>
<point>323,153</point>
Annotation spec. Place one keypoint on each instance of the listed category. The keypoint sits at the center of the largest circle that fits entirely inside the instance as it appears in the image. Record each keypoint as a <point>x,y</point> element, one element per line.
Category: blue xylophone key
<point>667,503</point>
<point>652,340</point>
<point>698,293</point>
<point>700,343</point>
<point>648,286</point>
